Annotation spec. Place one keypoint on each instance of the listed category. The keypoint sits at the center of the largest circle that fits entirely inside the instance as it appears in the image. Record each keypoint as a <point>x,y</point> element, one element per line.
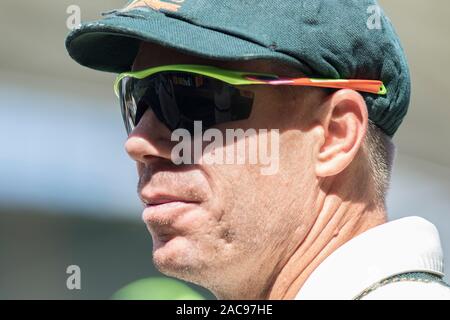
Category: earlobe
<point>344,127</point>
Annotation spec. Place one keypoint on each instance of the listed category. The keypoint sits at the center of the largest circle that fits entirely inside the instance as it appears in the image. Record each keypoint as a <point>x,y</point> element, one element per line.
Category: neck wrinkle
<point>337,222</point>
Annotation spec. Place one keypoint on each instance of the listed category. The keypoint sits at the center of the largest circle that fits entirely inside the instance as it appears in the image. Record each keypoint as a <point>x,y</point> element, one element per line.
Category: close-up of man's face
<point>224,150</point>
<point>210,222</point>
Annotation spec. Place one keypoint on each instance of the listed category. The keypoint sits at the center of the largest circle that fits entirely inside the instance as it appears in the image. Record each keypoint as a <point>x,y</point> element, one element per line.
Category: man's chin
<point>177,257</point>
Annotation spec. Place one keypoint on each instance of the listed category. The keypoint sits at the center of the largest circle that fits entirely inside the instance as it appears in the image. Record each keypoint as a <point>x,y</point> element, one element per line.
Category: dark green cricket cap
<point>346,39</point>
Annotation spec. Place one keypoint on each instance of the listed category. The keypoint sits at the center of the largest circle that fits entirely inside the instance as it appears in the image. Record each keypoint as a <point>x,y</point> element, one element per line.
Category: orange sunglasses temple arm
<point>372,86</point>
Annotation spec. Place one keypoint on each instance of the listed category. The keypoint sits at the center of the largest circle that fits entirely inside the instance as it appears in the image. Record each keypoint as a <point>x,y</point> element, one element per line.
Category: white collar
<point>404,245</point>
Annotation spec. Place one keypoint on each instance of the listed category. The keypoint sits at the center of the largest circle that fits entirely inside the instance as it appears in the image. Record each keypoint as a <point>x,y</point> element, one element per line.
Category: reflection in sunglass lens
<point>180,98</point>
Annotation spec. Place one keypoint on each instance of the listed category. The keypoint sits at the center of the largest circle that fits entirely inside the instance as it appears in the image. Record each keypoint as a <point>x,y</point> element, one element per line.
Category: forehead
<point>151,55</point>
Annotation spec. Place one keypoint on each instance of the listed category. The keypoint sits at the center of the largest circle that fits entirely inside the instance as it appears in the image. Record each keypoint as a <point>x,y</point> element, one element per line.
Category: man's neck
<point>336,223</point>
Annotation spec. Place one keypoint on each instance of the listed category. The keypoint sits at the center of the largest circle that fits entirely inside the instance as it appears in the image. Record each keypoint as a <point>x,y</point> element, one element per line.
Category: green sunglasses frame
<point>237,78</point>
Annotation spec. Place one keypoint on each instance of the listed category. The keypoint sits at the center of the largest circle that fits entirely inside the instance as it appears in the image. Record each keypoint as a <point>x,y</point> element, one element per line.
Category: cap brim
<point>111,44</point>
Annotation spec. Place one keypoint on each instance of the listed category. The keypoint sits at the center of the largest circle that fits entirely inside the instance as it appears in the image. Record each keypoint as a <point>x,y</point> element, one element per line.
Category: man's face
<point>211,222</point>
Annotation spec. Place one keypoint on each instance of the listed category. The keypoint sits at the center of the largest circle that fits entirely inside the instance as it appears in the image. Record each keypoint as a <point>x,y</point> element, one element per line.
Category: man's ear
<point>344,127</point>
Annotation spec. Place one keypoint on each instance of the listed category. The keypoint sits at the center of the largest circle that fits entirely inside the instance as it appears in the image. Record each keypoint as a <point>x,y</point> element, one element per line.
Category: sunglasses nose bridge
<point>151,124</point>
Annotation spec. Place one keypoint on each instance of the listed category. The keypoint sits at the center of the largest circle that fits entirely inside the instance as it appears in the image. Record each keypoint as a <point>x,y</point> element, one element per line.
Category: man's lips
<point>163,200</point>
<point>166,207</point>
<point>157,198</point>
<point>162,211</point>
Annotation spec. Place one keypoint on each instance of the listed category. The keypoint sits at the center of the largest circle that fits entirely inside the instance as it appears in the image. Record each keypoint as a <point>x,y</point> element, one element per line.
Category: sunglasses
<point>181,94</point>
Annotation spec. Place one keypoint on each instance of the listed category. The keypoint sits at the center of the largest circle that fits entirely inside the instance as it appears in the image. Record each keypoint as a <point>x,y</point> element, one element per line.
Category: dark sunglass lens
<point>178,99</point>
<point>156,93</point>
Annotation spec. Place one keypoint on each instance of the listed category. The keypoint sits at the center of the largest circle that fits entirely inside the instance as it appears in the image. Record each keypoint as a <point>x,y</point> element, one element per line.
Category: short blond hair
<point>380,152</point>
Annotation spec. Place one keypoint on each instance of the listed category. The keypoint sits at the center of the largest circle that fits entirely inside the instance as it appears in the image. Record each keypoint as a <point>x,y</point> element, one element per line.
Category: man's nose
<point>150,139</point>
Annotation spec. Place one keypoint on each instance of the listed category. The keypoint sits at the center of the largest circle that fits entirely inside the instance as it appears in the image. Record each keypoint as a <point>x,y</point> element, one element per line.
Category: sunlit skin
<point>244,235</point>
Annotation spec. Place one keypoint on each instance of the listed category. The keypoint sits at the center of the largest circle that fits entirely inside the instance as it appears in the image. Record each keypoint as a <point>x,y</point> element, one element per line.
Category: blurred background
<point>67,189</point>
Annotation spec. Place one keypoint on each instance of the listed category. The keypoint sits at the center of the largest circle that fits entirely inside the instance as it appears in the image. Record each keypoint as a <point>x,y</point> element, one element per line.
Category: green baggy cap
<point>338,39</point>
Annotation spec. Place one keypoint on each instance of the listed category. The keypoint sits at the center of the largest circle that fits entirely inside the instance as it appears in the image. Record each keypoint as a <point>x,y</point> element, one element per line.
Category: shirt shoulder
<point>410,290</point>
